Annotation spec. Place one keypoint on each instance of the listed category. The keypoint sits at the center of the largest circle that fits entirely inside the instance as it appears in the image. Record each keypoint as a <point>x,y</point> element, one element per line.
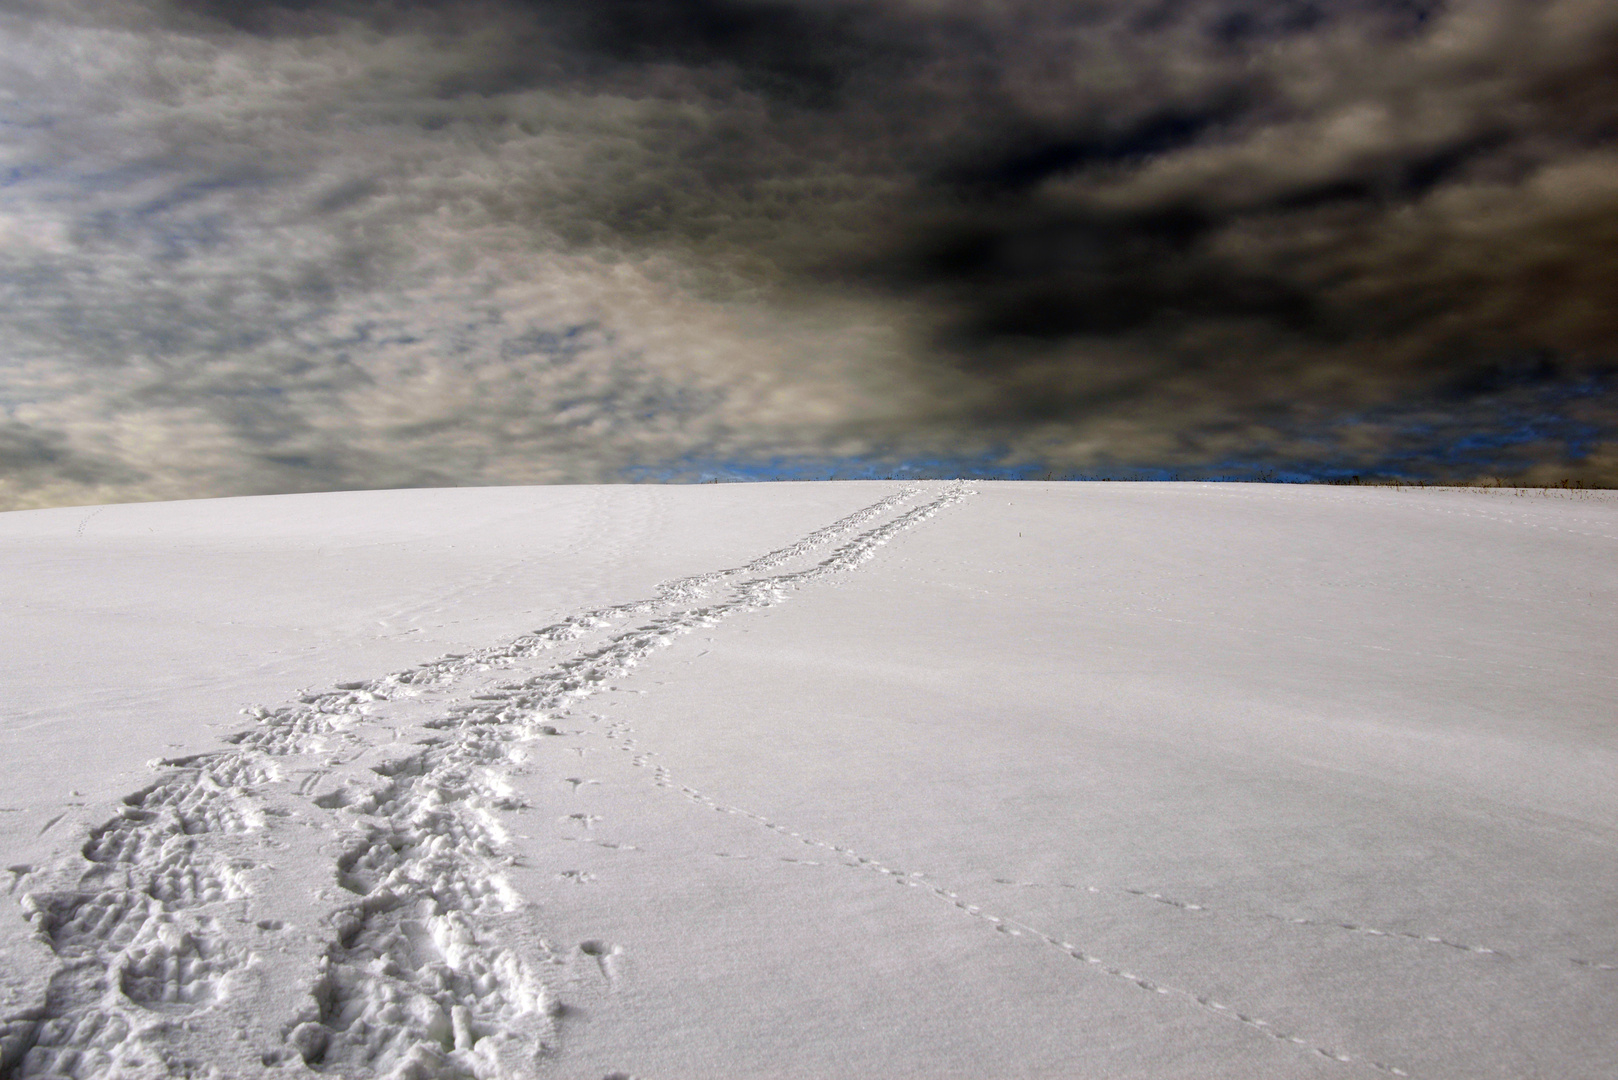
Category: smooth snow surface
<point>812,780</point>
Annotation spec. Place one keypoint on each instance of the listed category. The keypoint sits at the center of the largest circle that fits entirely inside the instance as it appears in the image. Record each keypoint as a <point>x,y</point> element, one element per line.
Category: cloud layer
<point>302,245</point>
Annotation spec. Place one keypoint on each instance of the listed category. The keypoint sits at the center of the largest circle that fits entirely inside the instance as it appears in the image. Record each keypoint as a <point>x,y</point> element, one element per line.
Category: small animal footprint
<point>606,958</point>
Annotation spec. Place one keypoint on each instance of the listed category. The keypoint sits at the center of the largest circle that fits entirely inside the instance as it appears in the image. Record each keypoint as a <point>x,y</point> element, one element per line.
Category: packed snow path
<point>349,887</point>
<point>431,972</point>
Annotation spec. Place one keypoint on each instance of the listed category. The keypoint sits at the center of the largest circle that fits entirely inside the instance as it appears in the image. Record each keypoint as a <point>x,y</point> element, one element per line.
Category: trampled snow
<point>812,780</point>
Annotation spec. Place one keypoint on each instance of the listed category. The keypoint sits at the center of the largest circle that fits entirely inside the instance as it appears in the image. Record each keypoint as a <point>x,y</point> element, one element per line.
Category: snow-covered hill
<point>812,780</point>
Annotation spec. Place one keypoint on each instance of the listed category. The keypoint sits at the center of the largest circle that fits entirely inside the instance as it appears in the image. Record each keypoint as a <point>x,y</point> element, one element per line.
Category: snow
<point>807,780</point>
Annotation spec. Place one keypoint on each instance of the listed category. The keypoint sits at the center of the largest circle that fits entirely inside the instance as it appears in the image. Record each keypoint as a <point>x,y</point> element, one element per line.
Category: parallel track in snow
<point>172,939</point>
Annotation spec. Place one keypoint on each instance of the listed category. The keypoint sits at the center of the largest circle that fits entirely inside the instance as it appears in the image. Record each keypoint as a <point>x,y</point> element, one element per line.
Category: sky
<point>300,245</point>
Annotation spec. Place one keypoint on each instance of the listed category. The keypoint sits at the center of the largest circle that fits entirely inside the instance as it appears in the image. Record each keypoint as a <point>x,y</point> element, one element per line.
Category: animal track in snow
<point>606,958</point>
<point>1330,924</point>
<point>1596,965</point>
<point>916,879</point>
<point>1405,935</point>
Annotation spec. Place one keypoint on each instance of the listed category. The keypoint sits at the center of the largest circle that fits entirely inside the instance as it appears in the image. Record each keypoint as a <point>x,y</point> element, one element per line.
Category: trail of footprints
<point>1326,924</point>
<point>916,879</point>
<point>423,968</point>
<point>422,973</point>
<point>850,858</point>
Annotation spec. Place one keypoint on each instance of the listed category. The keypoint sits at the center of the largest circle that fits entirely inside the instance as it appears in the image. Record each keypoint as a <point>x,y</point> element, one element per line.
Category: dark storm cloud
<point>1407,215</point>
<point>306,240</point>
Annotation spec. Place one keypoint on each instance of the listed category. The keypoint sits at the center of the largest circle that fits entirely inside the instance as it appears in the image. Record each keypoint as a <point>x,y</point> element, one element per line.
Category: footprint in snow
<point>606,957</point>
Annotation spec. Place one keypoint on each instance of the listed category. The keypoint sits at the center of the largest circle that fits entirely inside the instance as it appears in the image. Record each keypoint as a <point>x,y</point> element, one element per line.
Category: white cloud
<point>291,263</point>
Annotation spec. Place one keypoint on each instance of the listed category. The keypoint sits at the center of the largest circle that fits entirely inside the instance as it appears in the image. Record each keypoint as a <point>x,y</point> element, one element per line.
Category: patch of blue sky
<point>1492,433</point>
<point>699,469</point>
<point>1418,442</point>
<point>994,464</point>
<point>1261,471</point>
<point>193,191</point>
<point>371,334</point>
<point>17,175</point>
<point>560,347</point>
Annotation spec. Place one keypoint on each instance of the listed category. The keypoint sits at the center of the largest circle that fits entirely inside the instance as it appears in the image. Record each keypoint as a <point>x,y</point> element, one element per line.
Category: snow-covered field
<point>813,780</point>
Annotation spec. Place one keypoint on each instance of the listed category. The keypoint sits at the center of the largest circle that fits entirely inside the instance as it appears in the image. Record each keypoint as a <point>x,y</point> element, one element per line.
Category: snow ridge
<point>425,970</point>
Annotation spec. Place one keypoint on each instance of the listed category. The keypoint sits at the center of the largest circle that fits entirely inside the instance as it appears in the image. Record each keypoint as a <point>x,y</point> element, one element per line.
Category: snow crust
<point>811,780</point>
